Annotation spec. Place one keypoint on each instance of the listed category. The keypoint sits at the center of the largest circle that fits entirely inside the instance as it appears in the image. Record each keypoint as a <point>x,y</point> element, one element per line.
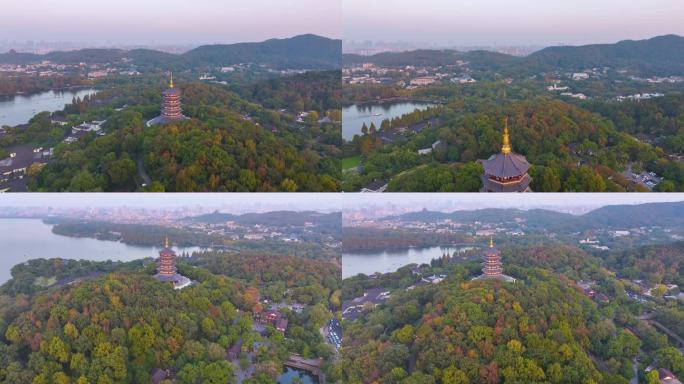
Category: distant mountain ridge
<point>309,51</point>
<point>661,55</point>
<point>658,54</point>
<point>300,52</point>
<point>611,216</point>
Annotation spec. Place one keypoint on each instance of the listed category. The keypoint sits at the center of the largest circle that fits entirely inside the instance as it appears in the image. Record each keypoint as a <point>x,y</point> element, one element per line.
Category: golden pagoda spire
<point>506,147</point>
<point>166,241</point>
<point>491,242</point>
<point>171,81</point>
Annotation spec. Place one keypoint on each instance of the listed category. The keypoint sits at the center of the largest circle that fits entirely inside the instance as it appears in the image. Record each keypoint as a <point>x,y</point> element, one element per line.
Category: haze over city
<point>444,23</point>
<point>226,202</point>
<point>166,22</point>
<point>581,203</point>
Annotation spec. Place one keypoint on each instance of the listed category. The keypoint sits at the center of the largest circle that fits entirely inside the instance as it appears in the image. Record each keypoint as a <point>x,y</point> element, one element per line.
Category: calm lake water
<point>291,374</point>
<point>354,116</point>
<point>25,239</point>
<point>390,261</point>
<point>21,108</point>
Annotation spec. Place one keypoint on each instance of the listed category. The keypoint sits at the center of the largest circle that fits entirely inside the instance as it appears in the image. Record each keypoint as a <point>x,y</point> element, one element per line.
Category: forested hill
<point>303,52</point>
<point>458,331</point>
<point>118,324</point>
<point>615,216</point>
<point>638,215</point>
<point>662,55</point>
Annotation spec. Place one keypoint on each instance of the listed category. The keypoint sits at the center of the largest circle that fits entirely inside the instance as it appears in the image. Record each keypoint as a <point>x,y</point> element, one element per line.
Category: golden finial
<point>171,81</point>
<point>506,147</point>
<point>491,242</point>
<point>166,242</point>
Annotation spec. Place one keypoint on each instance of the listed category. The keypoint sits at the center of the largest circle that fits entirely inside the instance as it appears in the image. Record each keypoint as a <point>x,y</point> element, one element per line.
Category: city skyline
<point>328,202</point>
<point>504,23</point>
<point>158,22</point>
<point>449,202</point>
<point>239,202</point>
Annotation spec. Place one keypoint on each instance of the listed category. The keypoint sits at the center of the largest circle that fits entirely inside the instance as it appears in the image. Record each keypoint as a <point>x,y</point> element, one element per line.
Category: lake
<point>20,109</point>
<point>354,116</point>
<point>289,376</point>
<point>389,261</point>
<point>25,239</point>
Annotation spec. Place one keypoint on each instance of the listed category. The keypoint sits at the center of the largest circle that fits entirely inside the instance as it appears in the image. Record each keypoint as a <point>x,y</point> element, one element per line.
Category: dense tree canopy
<point>121,326</point>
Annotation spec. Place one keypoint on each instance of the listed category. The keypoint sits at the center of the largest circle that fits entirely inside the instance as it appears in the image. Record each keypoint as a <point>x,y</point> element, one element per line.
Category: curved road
<point>141,171</point>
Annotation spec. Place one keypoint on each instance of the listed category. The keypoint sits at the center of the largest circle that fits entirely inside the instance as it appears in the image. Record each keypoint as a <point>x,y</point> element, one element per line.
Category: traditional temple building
<point>492,266</point>
<point>166,271</point>
<point>506,171</point>
<point>170,107</point>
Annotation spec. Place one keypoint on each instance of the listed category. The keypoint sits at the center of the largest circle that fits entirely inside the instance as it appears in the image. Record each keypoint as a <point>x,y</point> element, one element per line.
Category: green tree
<point>141,339</point>
<point>652,377</point>
<point>83,181</point>
<point>453,375</point>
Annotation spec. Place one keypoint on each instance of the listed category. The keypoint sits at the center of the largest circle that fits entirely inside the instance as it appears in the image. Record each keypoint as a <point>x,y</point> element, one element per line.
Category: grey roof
<point>171,91</point>
<point>169,278</point>
<point>23,158</point>
<point>506,165</point>
<point>164,120</point>
<point>505,278</point>
<point>167,250</point>
<point>376,184</point>
<point>523,185</point>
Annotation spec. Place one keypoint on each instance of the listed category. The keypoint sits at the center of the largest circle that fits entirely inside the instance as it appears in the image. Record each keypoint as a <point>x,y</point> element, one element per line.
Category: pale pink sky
<point>167,21</point>
<point>510,22</point>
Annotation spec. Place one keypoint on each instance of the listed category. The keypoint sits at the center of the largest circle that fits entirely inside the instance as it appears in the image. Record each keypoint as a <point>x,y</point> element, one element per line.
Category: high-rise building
<point>170,106</point>
<point>506,171</point>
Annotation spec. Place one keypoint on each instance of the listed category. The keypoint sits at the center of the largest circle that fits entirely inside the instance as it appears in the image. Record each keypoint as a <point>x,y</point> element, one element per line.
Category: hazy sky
<point>329,201</point>
<point>469,201</point>
<point>167,21</point>
<point>224,201</point>
<point>510,22</point>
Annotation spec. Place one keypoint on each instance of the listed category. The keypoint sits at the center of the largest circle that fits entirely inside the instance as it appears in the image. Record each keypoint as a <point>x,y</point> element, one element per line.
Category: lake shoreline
<point>17,110</point>
<point>368,251</point>
<point>391,260</point>
<point>394,100</point>
<point>5,97</point>
<point>22,246</point>
<point>375,113</point>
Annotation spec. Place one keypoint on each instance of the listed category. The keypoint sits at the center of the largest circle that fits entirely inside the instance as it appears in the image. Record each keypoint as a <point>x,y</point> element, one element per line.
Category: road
<point>635,367</point>
<point>669,333</point>
<point>648,318</point>
<point>141,171</point>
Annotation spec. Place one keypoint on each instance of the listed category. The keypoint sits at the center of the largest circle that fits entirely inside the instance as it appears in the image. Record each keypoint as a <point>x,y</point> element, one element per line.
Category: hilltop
<point>301,52</point>
<point>661,55</point>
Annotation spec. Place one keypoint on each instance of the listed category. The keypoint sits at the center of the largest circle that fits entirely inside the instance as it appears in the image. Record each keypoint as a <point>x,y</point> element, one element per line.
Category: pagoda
<point>506,171</point>
<point>492,266</point>
<point>166,270</point>
<point>170,106</point>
